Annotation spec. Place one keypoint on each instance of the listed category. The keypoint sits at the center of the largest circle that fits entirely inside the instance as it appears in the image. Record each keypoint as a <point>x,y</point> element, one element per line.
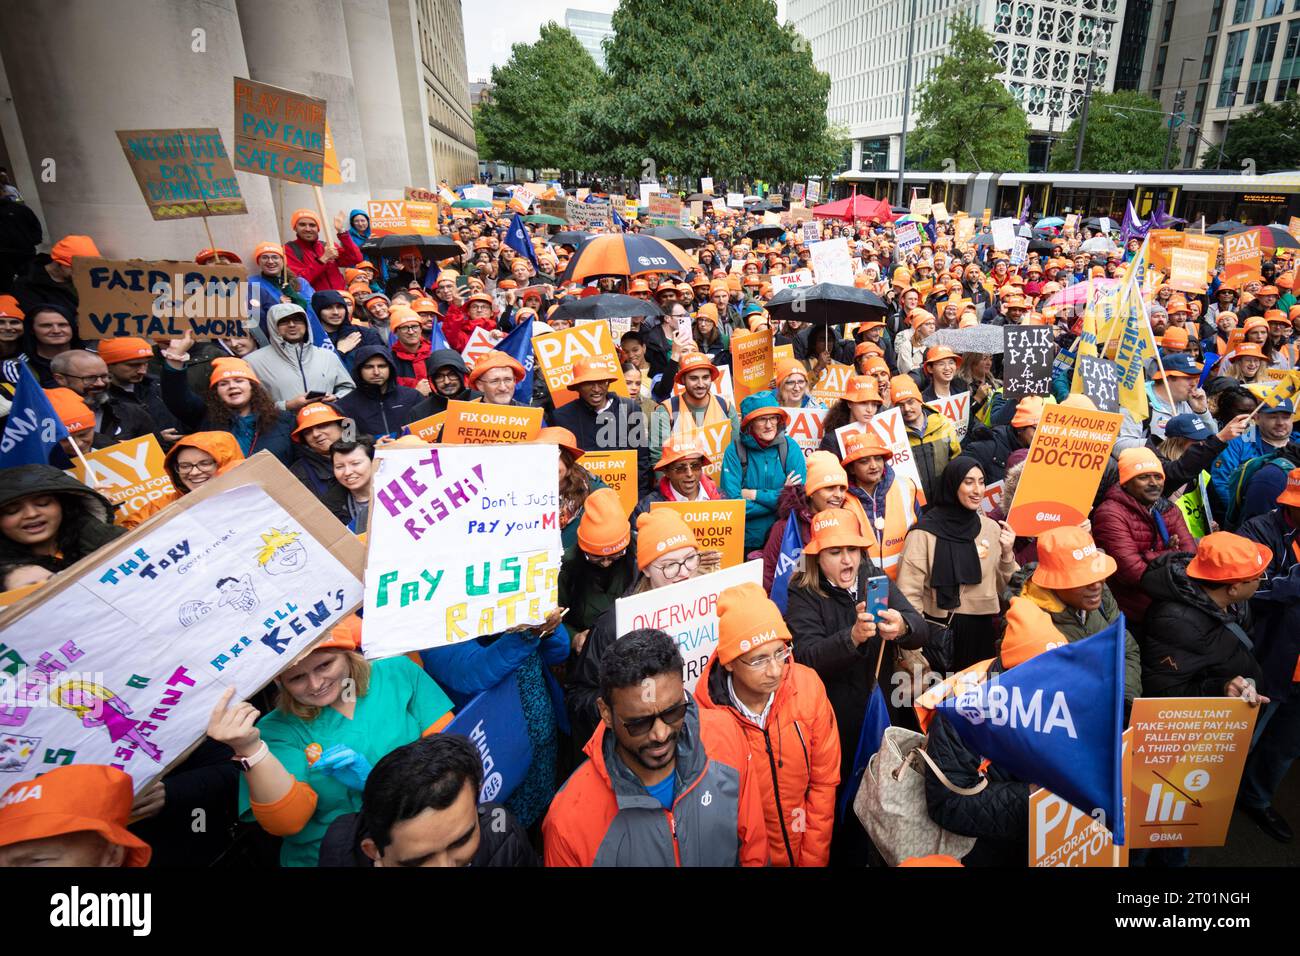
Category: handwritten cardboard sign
<point>279,133</point>
<point>182,173</point>
<point>1100,380</point>
<point>1028,351</point>
<point>159,299</point>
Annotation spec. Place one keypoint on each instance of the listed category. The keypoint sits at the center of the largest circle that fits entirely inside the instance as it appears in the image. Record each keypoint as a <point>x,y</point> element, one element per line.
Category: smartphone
<point>877,595</point>
<point>315,395</point>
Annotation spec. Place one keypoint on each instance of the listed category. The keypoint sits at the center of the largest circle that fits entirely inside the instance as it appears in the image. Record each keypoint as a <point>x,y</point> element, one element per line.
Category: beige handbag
<point>891,805</point>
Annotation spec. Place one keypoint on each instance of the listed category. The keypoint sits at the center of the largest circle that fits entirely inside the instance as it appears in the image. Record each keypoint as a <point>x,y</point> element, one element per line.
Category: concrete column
<point>82,69</point>
<point>857,156</point>
<point>371,38</point>
<point>302,45</point>
<point>894,152</point>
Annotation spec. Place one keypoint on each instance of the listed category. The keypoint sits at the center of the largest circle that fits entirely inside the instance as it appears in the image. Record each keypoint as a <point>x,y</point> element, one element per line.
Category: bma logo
<point>1004,706</point>
<point>651,261</point>
<point>491,778</point>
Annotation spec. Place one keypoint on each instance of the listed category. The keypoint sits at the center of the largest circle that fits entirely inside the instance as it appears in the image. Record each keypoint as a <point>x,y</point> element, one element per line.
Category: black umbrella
<point>764,232</point>
<point>501,192</point>
<point>679,237</point>
<point>699,197</point>
<point>1225,227</point>
<point>609,305</point>
<point>825,304</point>
<point>983,239</point>
<point>1042,245</point>
<point>571,237</point>
<point>431,247</point>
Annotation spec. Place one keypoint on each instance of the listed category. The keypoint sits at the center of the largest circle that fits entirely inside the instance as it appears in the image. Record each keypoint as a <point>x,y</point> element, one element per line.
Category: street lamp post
<point>1227,121</point>
<point>907,101</point>
<point>1087,96</point>
<point>1180,98</point>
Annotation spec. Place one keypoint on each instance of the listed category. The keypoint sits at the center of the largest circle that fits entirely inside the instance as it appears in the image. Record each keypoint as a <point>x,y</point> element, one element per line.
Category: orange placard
<point>1242,256</point>
<point>8,598</point>
<point>923,287</point>
<point>1207,244</point>
<point>130,474</point>
<point>557,351</point>
<point>1188,754</point>
<point>397,217</point>
<point>1066,459</point>
<point>478,423</point>
<point>1293,227</point>
<point>717,526</point>
<point>427,429</point>
<point>713,438</point>
<point>1060,834</point>
<point>833,383</point>
<point>1159,244</point>
<point>780,352</point>
<point>1188,270</point>
<point>751,362</point>
<point>616,469</point>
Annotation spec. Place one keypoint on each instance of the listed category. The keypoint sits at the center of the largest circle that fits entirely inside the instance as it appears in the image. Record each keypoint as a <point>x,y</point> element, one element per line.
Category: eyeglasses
<point>685,467</point>
<point>604,559</point>
<point>670,569</point>
<point>498,382</point>
<point>760,664</point>
<point>640,726</point>
<point>188,468</point>
<point>88,378</point>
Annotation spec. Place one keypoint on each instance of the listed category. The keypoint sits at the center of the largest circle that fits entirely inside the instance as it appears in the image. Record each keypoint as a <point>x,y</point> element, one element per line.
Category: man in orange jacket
<point>668,783</point>
<point>786,717</point>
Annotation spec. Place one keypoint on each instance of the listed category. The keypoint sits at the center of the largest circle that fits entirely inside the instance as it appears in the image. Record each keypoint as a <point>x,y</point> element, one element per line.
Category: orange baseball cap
<point>597,368</point>
<point>695,361</point>
<point>659,531</point>
<point>495,359</point>
<point>1029,632</point>
<point>679,447</point>
<point>1068,558</point>
<point>903,387</point>
<point>864,445</point>
<point>555,435</point>
<point>226,367</point>
<point>72,411</point>
<point>1224,556</point>
<point>862,388</point>
<point>1138,461</point>
<point>835,528</point>
<point>77,798</point>
<point>113,351</point>
<point>313,414</point>
<point>747,618</point>
<point>604,528</point>
<point>1291,493</point>
<point>824,471</point>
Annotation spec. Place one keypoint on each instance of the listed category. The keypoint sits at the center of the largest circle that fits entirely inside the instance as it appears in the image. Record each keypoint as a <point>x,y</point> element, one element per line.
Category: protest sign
<point>940,212</point>
<point>589,215</point>
<point>735,200</point>
<point>687,611</point>
<point>478,423</point>
<point>1028,351</point>
<point>797,192</point>
<point>798,213</point>
<point>279,133</point>
<point>120,659</point>
<point>807,427</point>
<point>558,208</point>
<point>557,351</point>
<point>1100,380</point>
<point>162,299</point>
<point>427,429</point>
<point>182,173</point>
<point>955,408</point>
<point>920,207</point>
<point>1019,250</point>
<point>790,280</point>
<point>811,231</point>
<point>464,542</point>
<point>1194,506</point>
<point>1160,242</point>
<point>617,469</point>
<point>706,185</point>
<point>1188,754</point>
<point>130,474</point>
<point>479,192</point>
<point>697,209</point>
<point>751,362</point>
<point>986,217</point>
<point>398,217</point>
<point>717,526</point>
<point>1004,232</point>
<point>964,230</point>
<point>833,383</point>
<point>813,194</point>
<point>1188,270</point>
<point>830,261</point>
<point>992,500</point>
<point>1206,244</point>
<point>1071,221</point>
<point>1069,452</point>
<point>1242,256</point>
<point>646,190</point>
<point>664,210</point>
<point>1060,834</point>
<point>494,722</point>
<point>478,345</point>
<point>418,195</point>
<point>908,237</point>
<point>889,428</point>
<point>780,352</point>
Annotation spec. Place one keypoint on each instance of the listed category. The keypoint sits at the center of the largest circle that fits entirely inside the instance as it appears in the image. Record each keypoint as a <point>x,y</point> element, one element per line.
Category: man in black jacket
<point>992,446</point>
<point>420,808</point>
<point>332,310</point>
<point>379,405</point>
<point>131,384</point>
<point>447,372</point>
<point>87,375</point>
<point>601,421</point>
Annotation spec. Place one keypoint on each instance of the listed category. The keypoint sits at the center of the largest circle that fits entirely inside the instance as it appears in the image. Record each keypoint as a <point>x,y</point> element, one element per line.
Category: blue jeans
<point>1276,744</point>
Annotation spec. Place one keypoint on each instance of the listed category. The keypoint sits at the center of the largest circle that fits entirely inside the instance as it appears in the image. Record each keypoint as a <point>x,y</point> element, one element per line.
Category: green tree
<point>1126,130</point>
<point>693,89</point>
<point>964,113</point>
<point>527,119</point>
<point>1269,134</point>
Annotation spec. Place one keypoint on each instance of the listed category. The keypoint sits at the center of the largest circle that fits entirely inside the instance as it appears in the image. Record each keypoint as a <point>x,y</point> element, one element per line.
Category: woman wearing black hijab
<point>956,562</point>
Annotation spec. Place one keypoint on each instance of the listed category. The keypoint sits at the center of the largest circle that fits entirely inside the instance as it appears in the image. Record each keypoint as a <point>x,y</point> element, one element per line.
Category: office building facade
<point>591,29</point>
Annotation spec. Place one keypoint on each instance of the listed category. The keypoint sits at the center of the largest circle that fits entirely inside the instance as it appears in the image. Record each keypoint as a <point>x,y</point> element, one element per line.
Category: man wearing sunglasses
<point>681,463</point>
<point>667,783</point>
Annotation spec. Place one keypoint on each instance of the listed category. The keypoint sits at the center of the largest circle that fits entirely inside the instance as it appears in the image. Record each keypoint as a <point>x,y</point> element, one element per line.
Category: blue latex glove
<point>345,765</point>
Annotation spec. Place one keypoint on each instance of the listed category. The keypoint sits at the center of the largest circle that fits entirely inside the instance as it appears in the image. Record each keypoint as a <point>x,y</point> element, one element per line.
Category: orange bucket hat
<point>555,435</point>
<point>1291,493</point>
<point>73,799</point>
<point>747,618</point>
<point>937,353</point>
<point>495,359</point>
<point>862,388</point>
<point>835,528</point>
<point>1069,558</point>
<point>659,531</point>
<point>864,445</point>
<point>313,414</point>
<point>597,368</point>
<point>344,636</point>
<point>903,387</point>
<point>1223,557</point>
<point>678,448</point>
<point>604,528</point>
<point>693,362</point>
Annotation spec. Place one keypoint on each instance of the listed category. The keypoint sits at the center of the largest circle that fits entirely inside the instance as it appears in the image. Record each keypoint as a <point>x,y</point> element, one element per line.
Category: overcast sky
<point>492,27</point>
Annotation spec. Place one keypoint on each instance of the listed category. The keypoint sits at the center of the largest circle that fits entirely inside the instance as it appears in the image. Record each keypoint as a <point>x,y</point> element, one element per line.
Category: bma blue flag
<point>786,563</point>
<point>874,724</point>
<point>436,339</point>
<point>494,723</point>
<point>32,428</point>
<point>518,239</point>
<point>519,346</point>
<point>1056,720</point>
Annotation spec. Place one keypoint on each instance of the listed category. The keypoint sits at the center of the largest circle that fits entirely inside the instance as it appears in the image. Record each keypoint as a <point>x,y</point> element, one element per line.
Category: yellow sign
<point>751,362</point>
<point>717,526</point>
<point>130,474</point>
<point>832,384</point>
<point>616,469</point>
<point>557,351</point>
<point>478,423</point>
<point>1069,452</point>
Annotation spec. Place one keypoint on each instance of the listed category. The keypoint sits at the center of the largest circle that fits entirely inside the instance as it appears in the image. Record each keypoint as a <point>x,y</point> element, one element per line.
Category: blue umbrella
<point>1048,221</point>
